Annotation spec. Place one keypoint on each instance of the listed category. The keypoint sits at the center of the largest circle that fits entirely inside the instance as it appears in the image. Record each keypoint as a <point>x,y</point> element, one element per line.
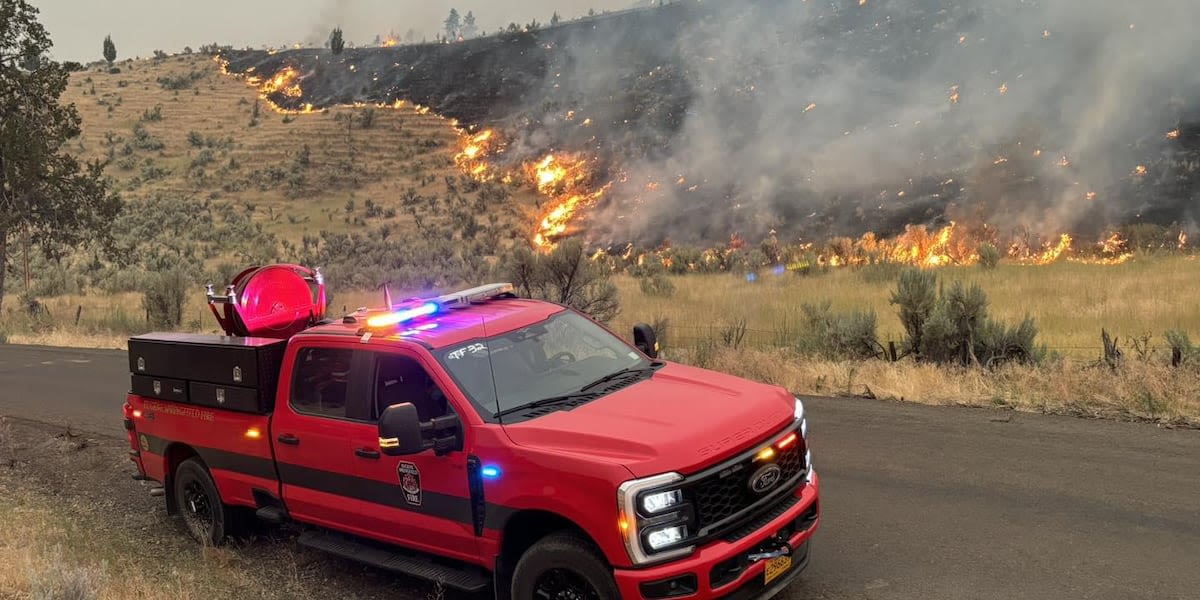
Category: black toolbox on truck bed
<point>234,373</point>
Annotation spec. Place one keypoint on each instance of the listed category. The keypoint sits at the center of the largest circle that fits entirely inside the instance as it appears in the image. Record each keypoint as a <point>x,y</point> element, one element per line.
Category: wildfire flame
<point>285,81</point>
<point>1052,254</point>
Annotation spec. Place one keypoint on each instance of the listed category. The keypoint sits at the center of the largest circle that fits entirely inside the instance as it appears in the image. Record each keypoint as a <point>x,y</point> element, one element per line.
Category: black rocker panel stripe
<point>442,506</point>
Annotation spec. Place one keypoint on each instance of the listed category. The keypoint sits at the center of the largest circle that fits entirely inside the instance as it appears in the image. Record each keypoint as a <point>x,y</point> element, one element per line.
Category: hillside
<point>1018,121</point>
<point>176,128</point>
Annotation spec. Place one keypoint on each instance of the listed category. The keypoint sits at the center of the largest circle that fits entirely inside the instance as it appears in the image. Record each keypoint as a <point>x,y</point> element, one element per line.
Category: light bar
<point>475,294</point>
<point>401,316</point>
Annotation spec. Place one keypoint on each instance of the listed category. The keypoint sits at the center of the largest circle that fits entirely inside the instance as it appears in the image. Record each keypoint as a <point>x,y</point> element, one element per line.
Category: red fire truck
<point>476,439</point>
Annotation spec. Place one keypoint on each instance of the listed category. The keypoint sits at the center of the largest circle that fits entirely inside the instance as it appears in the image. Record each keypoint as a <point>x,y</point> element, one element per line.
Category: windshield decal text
<point>472,349</point>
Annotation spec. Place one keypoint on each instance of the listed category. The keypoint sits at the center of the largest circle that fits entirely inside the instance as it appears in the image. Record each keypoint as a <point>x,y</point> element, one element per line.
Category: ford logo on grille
<point>765,478</point>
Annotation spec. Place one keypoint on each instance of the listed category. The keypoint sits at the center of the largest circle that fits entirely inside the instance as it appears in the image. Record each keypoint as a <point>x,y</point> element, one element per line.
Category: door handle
<point>289,439</point>
<point>366,452</point>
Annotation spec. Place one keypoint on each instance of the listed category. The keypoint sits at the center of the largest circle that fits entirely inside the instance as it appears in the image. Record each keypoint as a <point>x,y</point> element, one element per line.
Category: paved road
<point>918,502</point>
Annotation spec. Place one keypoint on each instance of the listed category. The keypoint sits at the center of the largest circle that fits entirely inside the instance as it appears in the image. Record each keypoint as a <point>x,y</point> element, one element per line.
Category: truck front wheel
<point>199,505</point>
<point>563,566</point>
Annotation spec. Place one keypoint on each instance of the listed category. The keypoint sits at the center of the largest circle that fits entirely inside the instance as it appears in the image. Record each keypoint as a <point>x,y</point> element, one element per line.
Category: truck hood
<point>680,419</point>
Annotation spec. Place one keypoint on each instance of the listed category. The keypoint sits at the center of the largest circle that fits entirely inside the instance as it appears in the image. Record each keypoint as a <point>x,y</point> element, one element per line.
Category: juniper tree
<point>46,195</point>
<point>336,43</point>
<point>469,29</point>
<point>452,24</point>
<point>110,50</point>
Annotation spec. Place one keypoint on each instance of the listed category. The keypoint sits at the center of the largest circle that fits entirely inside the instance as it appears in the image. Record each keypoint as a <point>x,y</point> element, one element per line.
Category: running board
<point>458,576</point>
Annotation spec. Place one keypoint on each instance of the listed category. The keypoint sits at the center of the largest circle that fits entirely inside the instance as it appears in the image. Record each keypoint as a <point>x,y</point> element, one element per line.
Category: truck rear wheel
<point>204,516</point>
<point>563,566</point>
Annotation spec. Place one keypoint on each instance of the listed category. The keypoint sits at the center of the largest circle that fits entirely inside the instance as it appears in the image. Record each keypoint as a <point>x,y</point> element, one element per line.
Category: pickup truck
<point>484,441</point>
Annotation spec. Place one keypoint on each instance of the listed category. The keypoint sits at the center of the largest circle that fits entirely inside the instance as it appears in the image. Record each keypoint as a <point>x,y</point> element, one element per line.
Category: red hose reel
<point>272,301</point>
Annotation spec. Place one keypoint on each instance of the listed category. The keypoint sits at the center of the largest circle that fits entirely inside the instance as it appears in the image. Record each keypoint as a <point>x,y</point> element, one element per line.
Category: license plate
<point>777,566</point>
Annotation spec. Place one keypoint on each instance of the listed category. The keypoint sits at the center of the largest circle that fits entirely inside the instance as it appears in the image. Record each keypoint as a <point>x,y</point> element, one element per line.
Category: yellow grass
<point>1139,391</point>
<point>223,109</point>
<point>1070,301</point>
<point>50,550</point>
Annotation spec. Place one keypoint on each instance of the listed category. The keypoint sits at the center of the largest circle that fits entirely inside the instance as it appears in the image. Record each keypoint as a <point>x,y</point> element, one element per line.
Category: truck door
<point>421,501</point>
<point>310,435</point>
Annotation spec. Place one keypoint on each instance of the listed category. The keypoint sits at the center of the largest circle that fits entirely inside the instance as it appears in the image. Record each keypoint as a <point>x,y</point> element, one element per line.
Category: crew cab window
<point>400,379</point>
<point>560,355</point>
<point>319,385</point>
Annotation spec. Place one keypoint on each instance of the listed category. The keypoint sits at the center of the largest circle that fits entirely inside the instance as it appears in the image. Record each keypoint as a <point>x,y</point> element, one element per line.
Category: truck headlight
<point>799,414</point>
<point>654,519</point>
<point>665,536</point>
<point>660,501</point>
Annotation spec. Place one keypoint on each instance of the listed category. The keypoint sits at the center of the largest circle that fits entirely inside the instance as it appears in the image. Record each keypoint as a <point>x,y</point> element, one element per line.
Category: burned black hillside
<point>816,119</point>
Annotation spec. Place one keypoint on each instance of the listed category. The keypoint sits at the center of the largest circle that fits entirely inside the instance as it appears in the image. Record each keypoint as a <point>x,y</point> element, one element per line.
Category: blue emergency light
<point>432,306</point>
<point>401,316</point>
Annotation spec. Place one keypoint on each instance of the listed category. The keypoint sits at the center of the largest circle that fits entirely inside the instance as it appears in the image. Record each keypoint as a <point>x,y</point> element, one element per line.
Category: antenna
<point>491,367</point>
<point>387,296</point>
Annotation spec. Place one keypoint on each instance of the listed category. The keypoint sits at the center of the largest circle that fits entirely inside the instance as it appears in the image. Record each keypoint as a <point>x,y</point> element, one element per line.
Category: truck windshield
<point>556,357</point>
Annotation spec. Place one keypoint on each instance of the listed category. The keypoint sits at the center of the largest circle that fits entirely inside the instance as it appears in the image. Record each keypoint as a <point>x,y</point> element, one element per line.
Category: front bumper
<point>749,582</point>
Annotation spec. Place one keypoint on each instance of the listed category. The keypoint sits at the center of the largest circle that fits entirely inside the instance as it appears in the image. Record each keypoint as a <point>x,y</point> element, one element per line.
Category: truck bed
<point>211,395</point>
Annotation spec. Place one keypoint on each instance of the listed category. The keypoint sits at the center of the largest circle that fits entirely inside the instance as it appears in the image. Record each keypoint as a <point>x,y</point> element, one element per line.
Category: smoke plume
<point>818,118</point>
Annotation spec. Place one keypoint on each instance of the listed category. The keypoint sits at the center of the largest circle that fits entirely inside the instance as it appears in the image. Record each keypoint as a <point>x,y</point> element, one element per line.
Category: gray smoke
<point>794,104</point>
<point>818,118</point>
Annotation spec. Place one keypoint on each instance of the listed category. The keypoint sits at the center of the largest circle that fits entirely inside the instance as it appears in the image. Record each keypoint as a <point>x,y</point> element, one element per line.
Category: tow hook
<point>765,551</point>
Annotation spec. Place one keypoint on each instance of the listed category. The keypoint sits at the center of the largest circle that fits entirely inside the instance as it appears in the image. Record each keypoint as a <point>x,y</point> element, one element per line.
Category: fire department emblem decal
<point>144,442</point>
<point>410,482</point>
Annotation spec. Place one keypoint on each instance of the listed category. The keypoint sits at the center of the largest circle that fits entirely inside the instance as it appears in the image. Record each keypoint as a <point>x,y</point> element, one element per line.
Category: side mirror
<point>645,340</point>
<point>400,430</point>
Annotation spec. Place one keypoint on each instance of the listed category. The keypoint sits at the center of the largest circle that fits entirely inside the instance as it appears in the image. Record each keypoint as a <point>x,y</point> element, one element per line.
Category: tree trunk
<point>3,265</point>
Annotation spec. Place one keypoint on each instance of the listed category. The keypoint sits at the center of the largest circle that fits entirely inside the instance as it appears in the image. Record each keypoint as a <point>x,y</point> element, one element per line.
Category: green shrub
<point>989,255</point>
<point>164,298</point>
<point>176,81</point>
<point>916,295</point>
<point>883,272</point>
<point>1181,345</point>
<point>566,275</point>
<point>953,327</point>
<point>657,284</point>
<point>152,114</point>
<point>832,335</point>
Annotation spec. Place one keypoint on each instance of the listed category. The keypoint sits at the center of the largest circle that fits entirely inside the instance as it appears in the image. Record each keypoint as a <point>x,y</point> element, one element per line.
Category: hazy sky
<point>138,27</point>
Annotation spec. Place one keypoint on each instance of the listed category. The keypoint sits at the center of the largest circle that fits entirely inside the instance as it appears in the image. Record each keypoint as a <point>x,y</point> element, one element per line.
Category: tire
<point>201,511</point>
<point>563,566</point>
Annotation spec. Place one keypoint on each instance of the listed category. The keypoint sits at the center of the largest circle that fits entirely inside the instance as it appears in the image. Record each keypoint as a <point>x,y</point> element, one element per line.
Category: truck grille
<point>722,495</point>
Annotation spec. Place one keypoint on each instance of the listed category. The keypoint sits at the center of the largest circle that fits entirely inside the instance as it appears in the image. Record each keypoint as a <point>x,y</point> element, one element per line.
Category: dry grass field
<point>219,141</point>
<point>74,526</point>
<point>1070,301</point>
